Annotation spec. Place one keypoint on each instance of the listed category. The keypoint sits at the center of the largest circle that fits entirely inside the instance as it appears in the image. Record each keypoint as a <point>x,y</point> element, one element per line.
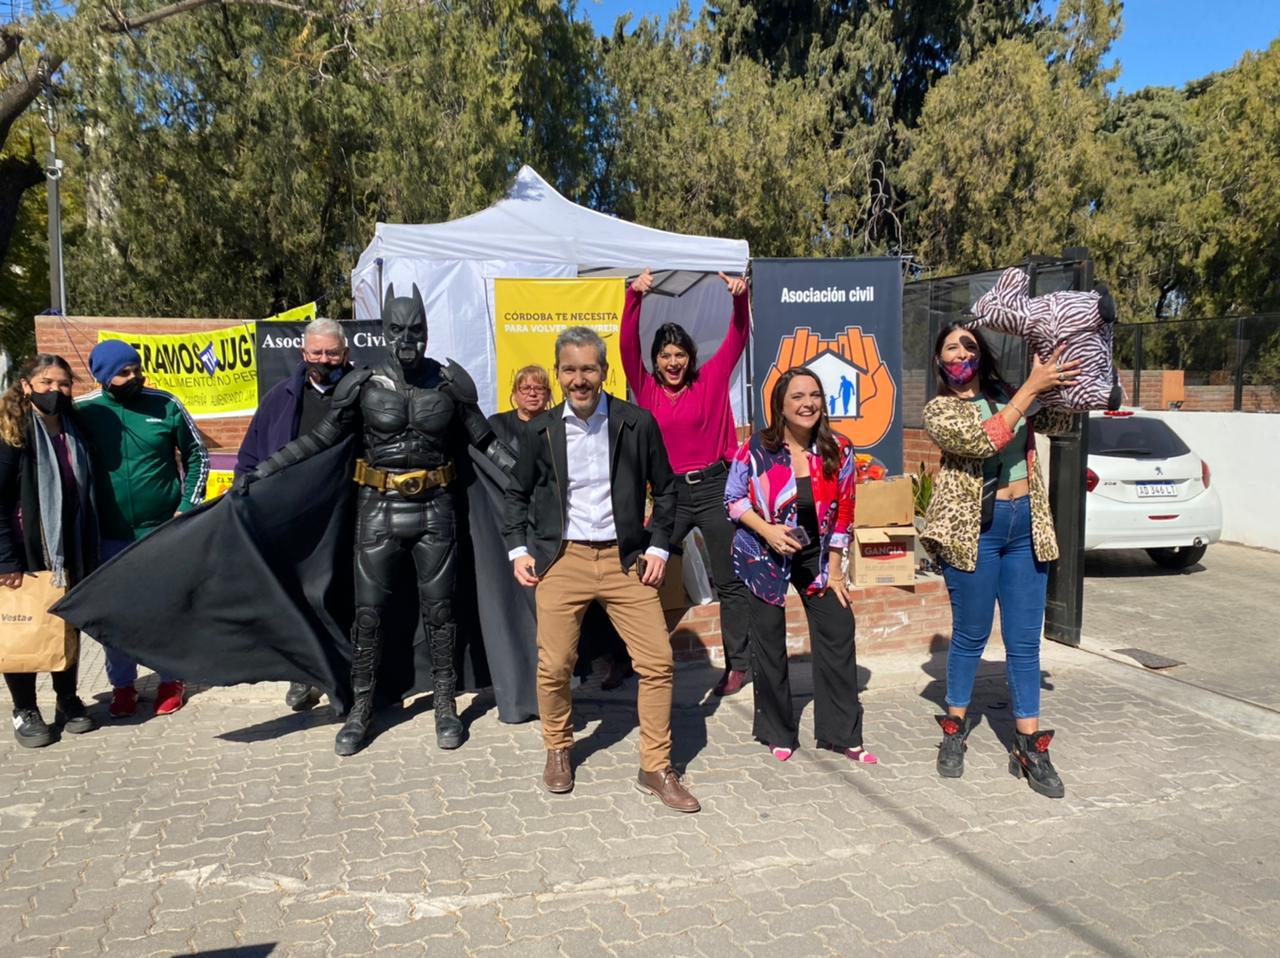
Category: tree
<point>48,38</point>
<point>1006,161</point>
<point>268,144</point>
<point>702,147</point>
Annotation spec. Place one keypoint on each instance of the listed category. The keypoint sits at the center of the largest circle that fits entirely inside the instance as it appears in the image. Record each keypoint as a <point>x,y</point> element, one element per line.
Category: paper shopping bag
<point>31,638</point>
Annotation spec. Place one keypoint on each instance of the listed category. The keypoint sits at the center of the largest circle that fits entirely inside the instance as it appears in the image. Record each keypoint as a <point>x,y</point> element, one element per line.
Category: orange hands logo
<point>859,387</point>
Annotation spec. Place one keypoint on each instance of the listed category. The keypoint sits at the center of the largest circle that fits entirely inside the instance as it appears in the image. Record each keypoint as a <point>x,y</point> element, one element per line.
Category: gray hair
<point>325,327</point>
<point>582,336</point>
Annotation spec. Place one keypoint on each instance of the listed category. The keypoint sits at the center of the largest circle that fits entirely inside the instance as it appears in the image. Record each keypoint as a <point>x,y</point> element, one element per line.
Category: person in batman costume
<point>405,414</point>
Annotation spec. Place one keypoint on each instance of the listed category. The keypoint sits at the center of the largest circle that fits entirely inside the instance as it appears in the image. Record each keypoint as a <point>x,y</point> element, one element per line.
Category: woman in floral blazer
<point>790,490</point>
<point>989,525</point>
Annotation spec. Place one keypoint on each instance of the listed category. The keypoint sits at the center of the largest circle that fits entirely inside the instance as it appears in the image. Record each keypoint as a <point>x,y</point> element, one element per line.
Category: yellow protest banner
<point>219,481</point>
<point>299,314</point>
<point>530,313</point>
<point>213,373</point>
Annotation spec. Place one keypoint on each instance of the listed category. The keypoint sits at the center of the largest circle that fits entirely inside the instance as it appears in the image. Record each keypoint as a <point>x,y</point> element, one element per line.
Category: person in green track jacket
<point>138,436</point>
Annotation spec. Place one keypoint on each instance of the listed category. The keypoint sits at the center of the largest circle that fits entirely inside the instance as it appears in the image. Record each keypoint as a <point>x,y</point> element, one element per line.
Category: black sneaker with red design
<point>1030,759</point>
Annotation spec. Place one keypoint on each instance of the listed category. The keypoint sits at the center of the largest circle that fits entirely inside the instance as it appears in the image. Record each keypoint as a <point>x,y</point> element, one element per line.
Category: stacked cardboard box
<point>884,533</point>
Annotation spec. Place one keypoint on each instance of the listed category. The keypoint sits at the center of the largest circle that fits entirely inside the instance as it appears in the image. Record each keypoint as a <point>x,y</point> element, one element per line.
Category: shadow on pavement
<point>1130,564</point>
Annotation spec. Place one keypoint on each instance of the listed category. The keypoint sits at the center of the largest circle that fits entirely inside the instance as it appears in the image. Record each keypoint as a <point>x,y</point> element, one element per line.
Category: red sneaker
<point>124,702</point>
<point>169,697</point>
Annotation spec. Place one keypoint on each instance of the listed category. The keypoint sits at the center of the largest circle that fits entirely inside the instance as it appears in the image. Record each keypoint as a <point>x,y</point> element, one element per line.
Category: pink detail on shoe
<point>782,754</point>
<point>861,755</point>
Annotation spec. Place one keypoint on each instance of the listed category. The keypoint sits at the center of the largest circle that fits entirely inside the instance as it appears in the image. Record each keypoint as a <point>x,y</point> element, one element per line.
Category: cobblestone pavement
<point>231,828</point>
<point>1218,617</point>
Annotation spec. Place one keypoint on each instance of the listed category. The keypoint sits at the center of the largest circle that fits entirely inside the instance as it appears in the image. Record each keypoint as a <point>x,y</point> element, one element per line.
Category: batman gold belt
<point>413,483</point>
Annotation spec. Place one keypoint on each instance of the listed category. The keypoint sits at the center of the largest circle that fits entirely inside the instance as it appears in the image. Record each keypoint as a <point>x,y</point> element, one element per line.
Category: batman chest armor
<point>392,411</point>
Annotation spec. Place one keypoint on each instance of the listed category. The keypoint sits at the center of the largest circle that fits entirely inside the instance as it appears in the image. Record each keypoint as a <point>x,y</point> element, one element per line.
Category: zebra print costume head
<point>1083,322</point>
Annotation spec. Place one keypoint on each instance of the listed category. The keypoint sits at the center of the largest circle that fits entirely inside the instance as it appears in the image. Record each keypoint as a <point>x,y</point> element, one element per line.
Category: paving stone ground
<point>231,828</point>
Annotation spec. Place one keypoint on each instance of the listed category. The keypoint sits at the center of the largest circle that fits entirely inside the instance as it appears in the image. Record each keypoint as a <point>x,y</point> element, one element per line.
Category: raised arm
<point>731,348</point>
<point>629,334</point>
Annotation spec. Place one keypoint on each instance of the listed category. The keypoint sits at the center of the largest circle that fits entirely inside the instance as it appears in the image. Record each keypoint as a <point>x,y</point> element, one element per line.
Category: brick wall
<point>1197,398</point>
<point>72,338</point>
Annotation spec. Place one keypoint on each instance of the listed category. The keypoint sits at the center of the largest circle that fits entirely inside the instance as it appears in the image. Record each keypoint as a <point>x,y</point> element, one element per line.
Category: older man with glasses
<point>290,409</point>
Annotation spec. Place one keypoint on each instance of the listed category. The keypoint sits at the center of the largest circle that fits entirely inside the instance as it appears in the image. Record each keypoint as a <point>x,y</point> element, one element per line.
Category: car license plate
<point>1156,490</point>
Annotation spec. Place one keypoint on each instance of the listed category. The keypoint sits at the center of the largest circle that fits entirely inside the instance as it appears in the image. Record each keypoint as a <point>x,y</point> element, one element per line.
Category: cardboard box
<point>883,556</point>
<point>884,502</point>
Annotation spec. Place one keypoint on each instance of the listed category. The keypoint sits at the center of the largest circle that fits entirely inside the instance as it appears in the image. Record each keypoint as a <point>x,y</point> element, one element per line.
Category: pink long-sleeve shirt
<point>696,424</point>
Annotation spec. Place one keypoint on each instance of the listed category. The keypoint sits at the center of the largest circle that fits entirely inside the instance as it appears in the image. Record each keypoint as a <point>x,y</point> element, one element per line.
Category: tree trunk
<point>16,177</point>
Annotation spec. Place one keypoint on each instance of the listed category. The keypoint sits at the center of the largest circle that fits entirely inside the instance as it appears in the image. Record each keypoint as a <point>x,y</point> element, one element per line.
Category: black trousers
<point>702,505</point>
<point>22,686</point>
<point>837,713</point>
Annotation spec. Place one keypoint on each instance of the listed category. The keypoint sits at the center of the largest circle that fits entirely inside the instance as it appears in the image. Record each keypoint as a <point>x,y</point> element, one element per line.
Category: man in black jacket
<point>575,530</point>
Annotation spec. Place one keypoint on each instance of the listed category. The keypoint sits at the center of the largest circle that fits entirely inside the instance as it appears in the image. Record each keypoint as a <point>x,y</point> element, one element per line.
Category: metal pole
<point>1064,601</point>
<point>1241,349</point>
<point>1137,365</point>
<point>57,283</point>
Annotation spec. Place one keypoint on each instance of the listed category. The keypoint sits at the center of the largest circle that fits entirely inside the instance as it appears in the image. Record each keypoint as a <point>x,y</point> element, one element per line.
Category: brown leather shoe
<point>557,776</point>
<point>666,785</point>
<point>731,682</point>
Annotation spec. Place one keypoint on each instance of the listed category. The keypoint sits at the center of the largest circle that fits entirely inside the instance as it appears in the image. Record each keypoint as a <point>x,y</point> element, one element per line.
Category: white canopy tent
<point>536,232</point>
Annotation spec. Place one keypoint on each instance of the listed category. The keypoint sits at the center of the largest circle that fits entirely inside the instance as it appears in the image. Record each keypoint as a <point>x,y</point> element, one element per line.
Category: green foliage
<point>922,489</point>
<point>1005,162</point>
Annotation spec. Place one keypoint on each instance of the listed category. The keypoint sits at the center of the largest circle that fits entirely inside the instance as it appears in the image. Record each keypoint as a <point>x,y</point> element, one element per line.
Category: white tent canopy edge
<point>536,232</point>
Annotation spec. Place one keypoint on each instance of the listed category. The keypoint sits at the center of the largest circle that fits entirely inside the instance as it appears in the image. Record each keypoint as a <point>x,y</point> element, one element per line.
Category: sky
<point>1165,42</point>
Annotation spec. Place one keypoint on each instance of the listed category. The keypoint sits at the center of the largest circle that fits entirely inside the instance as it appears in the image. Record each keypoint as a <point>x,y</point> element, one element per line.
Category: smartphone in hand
<point>800,535</point>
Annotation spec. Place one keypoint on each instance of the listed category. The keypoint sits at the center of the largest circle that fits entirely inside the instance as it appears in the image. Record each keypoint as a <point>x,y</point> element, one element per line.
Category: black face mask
<point>53,403</point>
<point>126,391</point>
<point>325,374</point>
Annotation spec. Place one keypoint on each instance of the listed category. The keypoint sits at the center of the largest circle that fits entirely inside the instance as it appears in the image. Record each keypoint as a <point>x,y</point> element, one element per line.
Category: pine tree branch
<point>123,24</point>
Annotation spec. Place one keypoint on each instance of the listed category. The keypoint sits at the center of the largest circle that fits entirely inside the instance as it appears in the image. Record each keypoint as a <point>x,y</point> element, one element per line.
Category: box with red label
<point>883,556</point>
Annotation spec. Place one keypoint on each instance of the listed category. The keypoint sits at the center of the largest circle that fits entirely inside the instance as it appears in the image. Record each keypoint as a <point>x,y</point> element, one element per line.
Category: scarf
<point>60,543</point>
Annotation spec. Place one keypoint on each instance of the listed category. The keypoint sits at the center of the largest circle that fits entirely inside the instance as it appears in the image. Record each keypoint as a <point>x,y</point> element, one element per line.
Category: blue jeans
<point>1007,571</point>
<point>122,668</point>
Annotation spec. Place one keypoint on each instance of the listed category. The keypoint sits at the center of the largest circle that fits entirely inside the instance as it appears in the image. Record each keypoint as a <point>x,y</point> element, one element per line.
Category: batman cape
<point>258,588</point>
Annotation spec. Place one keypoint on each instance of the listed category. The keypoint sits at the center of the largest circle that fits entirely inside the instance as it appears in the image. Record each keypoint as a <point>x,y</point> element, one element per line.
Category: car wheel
<point>1179,558</point>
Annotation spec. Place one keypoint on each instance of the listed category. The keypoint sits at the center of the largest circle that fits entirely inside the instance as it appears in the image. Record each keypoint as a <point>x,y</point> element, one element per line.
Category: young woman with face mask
<point>989,526</point>
<point>47,521</point>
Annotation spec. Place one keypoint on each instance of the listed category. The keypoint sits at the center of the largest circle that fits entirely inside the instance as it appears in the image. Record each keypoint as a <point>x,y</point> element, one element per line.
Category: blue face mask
<point>959,372</point>
<point>326,374</point>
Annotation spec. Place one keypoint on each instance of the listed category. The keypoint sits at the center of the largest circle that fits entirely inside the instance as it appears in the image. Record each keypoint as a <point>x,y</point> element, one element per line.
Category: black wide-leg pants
<point>837,711</point>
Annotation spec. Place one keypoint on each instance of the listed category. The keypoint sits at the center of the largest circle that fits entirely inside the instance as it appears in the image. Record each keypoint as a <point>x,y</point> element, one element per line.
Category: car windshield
<point>1136,437</point>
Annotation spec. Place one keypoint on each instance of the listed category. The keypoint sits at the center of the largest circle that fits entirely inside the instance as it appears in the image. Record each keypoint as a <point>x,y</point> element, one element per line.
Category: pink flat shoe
<point>860,755</point>
<point>782,754</point>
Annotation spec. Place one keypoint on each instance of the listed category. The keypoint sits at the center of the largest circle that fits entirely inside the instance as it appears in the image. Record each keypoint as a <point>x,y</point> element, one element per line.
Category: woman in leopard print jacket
<point>989,526</point>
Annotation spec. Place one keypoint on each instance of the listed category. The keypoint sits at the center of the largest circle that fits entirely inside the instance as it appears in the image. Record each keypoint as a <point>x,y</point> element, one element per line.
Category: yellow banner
<point>530,313</point>
<point>220,481</point>
<point>299,314</point>
<point>213,373</point>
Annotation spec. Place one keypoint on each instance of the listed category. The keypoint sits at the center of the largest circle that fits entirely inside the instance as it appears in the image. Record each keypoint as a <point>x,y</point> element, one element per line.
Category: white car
<point>1147,490</point>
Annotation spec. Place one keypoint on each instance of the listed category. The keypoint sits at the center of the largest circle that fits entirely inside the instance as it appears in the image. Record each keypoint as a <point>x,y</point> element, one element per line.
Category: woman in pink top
<point>691,404</point>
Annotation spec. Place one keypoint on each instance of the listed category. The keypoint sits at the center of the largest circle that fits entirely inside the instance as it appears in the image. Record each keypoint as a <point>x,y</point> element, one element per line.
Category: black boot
<point>448,725</point>
<point>955,733</point>
<point>1030,758</point>
<point>366,648</point>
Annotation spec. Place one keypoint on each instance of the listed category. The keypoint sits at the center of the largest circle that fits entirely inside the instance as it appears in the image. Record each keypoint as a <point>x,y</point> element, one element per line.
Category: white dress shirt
<point>589,516</point>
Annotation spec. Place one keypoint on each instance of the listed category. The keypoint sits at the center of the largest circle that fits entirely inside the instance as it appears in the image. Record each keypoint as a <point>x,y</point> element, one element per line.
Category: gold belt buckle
<point>410,483</point>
